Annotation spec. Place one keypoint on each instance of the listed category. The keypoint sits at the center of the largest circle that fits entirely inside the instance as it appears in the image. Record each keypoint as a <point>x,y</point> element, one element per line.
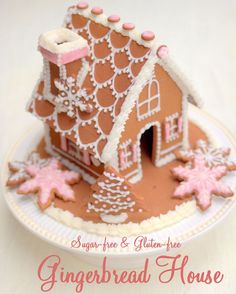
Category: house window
<point>75,151</point>
<point>82,155</point>
<point>173,127</point>
<point>70,148</point>
<point>149,100</point>
<point>127,154</point>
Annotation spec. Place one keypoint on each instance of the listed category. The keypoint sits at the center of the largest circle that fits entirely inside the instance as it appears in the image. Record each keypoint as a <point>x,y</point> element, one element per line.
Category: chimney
<point>63,52</point>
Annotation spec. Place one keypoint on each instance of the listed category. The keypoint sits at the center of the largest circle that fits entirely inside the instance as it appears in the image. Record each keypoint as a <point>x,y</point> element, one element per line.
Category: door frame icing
<point>157,137</point>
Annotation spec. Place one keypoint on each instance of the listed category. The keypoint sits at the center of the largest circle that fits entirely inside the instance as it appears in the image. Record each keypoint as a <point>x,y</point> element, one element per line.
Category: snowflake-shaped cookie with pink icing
<point>18,172</point>
<point>201,181</point>
<point>49,181</point>
<point>214,156</point>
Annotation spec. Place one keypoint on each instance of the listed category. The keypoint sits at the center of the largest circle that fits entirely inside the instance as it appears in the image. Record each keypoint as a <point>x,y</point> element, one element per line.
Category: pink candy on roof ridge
<point>148,36</point>
<point>82,5</point>
<point>113,18</point>
<point>128,26</point>
<point>163,52</point>
<point>97,10</point>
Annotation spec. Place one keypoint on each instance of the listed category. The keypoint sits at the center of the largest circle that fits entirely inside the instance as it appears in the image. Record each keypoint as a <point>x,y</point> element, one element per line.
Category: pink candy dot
<point>148,36</point>
<point>82,5</point>
<point>114,18</point>
<point>97,10</point>
<point>128,26</point>
<point>163,52</point>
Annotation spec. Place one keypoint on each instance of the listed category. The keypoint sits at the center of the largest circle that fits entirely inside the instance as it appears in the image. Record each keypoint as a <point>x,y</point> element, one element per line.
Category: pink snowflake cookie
<point>17,169</point>
<point>214,156</point>
<point>49,181</point>
<point>201,181</point>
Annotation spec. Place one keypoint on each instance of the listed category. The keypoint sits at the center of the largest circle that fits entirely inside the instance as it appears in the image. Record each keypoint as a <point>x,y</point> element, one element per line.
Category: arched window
<point>149,100</point>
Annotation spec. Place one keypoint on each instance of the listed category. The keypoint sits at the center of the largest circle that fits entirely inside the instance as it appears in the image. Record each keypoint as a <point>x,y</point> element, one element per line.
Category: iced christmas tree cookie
<point>113,198</point>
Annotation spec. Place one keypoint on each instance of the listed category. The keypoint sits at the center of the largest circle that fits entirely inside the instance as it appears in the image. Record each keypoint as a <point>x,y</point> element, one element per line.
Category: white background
<point>201,36</point>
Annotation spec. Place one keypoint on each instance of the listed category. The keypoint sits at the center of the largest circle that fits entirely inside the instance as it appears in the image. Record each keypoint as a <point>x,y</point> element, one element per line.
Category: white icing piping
<point>180,78</point>
<point>158,145</point>
<point>185,121</point>
<point>167,64</point>
<point>149,100</point>
<point>49,148</point>
<point>61,40</point>
<point>152,224</point>
<point>173,127</point>
<point>115,196</point>
<point>126,148</point>
<point>83,72</point>
<point>114,219</point>
<point>102,19</point>
<point>94,119</point>
<point>47,80</point>
<point>165,160</point>
<point>136,178</point>
<point>168,150</point>
<point>109,154</point>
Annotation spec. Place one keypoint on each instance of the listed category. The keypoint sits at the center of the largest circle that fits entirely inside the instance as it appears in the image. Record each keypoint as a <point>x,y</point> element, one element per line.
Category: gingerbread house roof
<point>118,55</point>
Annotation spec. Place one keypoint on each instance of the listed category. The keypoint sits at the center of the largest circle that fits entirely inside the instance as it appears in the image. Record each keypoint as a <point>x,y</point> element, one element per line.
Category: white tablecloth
<point>201,35</point>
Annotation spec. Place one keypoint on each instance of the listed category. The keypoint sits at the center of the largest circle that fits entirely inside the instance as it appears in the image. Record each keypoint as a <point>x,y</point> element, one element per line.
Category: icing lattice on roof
<point>119,62</point>
<point>115,62</point>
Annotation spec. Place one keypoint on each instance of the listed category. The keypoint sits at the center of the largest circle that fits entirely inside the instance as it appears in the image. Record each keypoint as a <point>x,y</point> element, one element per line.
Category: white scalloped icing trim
<point>109,154</point>
<point>103,19</point>
<point>146,226</point>
<point>181,79</point>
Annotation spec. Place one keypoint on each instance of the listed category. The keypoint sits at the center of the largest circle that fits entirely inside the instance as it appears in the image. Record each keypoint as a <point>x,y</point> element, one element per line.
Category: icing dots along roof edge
<point>146,38</point>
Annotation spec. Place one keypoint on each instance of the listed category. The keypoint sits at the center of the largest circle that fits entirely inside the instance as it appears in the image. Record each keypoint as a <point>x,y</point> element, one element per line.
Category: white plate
<point>28,214</point>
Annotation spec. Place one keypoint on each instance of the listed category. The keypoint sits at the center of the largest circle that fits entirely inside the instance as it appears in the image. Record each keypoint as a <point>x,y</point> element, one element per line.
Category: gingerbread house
<point>105,87</point>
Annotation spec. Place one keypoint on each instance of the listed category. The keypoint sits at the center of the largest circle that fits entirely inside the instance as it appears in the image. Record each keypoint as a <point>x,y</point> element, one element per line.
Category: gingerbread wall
<point>171,102</point>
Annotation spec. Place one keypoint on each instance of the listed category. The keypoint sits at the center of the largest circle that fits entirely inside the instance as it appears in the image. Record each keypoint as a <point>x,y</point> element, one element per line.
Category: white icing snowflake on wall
<point>71,96</point>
